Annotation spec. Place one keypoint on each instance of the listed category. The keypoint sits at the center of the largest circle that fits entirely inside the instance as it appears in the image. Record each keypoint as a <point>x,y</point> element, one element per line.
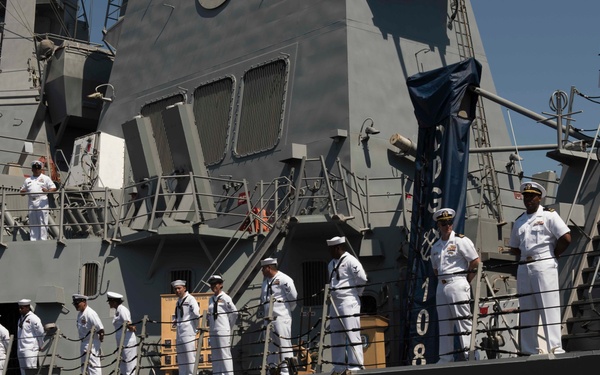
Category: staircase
<point>584,325</point>
<point>490,191</point>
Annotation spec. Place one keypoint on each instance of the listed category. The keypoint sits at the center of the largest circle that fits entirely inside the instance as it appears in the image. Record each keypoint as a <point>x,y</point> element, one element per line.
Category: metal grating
<point>314,277</point>
<point>212,109</point>
<point>90,279</point>
<point>260,117</point>
<point>154,112</point>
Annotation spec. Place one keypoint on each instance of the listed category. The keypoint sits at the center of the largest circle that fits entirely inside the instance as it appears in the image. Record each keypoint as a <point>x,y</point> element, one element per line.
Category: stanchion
<point>269,320</point>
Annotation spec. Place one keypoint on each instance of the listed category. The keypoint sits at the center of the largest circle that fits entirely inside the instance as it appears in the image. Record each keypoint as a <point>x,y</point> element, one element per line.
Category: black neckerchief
<point>270,287</point>
<point>335,269</point>
<point>22,320</point>
<point>215,306</point>
<point>179,307</point>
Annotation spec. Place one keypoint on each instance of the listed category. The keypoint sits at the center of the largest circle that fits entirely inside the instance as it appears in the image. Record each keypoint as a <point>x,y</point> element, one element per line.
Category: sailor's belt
<point>534,257</point>
<point>448,280</point>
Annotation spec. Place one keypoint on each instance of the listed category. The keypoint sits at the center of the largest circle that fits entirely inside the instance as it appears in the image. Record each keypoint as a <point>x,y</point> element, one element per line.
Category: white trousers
<point>94,365</point>
<point>539,280</point>
<point>280,346</point>
<point>27,359</point>
<point>220,350</point>
<point>448,300</point>
<point>128,362</point>
<point>346,342</point>
<point>186,354</point>
<point>37,217</point>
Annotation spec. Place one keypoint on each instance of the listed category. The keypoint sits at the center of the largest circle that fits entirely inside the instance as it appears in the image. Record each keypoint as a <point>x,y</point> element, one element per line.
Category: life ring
<point>255,220</point>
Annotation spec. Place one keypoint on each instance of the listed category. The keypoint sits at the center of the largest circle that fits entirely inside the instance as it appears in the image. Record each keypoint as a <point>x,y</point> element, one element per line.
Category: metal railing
<point>76,212</point>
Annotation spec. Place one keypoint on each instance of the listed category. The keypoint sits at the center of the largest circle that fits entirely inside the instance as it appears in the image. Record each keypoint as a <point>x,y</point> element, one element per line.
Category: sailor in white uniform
<point>347,273</point>
<point>539,236</point>
<point>222,315</point>
<point>38,185</point>
<point>4,349</point>
<point>87,319</point>
<point>30,336</point>
<point>187,313</point>
<point>281,287</point>
<point>123,316</point>
<point>452,257</point>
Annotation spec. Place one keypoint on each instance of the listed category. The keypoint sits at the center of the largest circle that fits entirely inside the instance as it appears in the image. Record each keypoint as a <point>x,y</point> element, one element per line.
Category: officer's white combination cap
<point>444,214</point>
<point>177,283</point>
<point>24,302</point>
<point>215,279</point>
<point>268,261</point>
<point>113,295</point>
<point>37,163</point>
<point>336,241</point>
<point>77,297</point>
<point>533,187</point>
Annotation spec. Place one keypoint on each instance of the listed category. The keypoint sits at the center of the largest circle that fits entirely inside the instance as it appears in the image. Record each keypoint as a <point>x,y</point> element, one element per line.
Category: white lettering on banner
<point>425,287</point>
<point>429,238</point>
<point>419,355</point>
<point>436,201</point>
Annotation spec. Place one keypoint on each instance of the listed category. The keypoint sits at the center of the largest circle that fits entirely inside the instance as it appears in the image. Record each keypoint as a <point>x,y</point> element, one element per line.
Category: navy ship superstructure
<point>207,135</point>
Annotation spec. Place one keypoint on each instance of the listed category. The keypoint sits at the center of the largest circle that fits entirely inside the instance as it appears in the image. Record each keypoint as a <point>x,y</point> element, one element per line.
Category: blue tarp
<point>445,109</point>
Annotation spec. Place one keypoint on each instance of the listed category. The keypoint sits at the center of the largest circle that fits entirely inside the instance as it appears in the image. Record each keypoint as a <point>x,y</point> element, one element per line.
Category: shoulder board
<point>460,235</point>
<point>548,209</point>
<point>520,215</point>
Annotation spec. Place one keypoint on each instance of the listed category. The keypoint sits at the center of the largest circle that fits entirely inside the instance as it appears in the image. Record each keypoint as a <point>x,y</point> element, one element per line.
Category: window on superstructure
<point>213,103</point>
<point>185,275</point>
<point>154,112</point>
<point>314,277</point>
<point>262,103</point>
<point>89,279</point>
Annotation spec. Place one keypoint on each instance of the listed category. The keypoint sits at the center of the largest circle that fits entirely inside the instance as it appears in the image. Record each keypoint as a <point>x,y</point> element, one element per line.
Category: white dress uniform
<point>283,290</point>
<point>38,205</point>
<point>4,349</point>
<point>187,313</point>
<point>222,315</point>
<point>127,365</point>
<point>450,258</point>
<point>345,337</point>
<point>30,338</point>
<point>87,319</point>
<point>536,236</point>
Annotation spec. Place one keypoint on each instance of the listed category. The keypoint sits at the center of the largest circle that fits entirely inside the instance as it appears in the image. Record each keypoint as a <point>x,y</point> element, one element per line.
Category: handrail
<point>81,211</point>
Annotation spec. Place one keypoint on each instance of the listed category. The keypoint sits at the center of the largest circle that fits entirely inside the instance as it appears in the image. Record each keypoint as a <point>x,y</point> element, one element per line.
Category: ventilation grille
<point>314,276</point>
<point>260,116</point>
<point>154,112</point>
<point>212,110</point>
<point>90,279</point>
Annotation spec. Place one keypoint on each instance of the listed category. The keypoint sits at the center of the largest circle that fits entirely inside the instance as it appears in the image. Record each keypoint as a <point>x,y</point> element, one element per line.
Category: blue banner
<point>445,109</point>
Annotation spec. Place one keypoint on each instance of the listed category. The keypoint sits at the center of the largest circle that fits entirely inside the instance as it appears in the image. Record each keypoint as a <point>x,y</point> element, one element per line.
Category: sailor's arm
<point>473,269</point>
<point>562,244</point>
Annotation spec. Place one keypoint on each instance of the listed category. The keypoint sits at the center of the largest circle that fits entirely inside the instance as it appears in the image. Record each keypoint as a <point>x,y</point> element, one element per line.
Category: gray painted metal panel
<point>186,151</point>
